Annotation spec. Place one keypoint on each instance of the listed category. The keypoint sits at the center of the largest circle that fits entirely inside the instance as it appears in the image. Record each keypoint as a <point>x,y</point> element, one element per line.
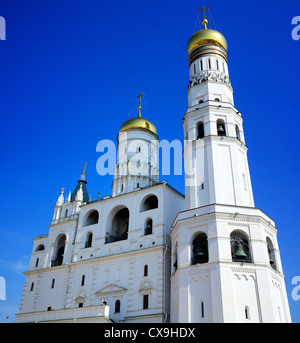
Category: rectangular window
<point>49,308</point>
<point>32,285</point>
<point>194,68</point>
<point>145,301</point>
<point>80,305</point>
<point>209,64</point>
<point>247,313</point>
<point>37,262</point>
<point>223,67</point>
<point>82,280</point>
<point>217,64</point>
<point>201,65</point>
<point>53,282</point>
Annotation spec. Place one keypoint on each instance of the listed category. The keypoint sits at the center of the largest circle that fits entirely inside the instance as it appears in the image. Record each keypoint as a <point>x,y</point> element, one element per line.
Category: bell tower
<point>137,155</point>
<point>226,263</point>
<point>215,154</point>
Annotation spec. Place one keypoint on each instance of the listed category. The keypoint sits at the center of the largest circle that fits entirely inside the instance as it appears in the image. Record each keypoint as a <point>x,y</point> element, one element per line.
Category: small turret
<point>82,183</point>
<point>60,199</point>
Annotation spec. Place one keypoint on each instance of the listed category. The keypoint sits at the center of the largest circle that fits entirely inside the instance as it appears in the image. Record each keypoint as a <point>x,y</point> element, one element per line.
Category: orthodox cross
<point>203,9</point>
<point>140,104</point>
<point>84,166</point>
<point>204,20</point>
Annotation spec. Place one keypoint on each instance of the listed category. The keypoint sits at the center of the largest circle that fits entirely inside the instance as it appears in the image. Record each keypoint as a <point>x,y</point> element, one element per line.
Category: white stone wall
<point>228,289</point>
<point>112,271</point>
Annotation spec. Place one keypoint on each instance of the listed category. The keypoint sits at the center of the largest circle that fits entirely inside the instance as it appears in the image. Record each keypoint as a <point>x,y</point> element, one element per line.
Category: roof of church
<point>84,191</point>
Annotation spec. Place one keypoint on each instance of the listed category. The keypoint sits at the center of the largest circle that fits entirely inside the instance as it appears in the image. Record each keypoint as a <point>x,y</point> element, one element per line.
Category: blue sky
<point>70,72</point>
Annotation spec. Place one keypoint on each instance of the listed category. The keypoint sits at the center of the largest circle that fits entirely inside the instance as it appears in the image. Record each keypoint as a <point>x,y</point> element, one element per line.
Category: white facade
<point>226,263</point>
<point>223,290</point>
<point>147,254</point>
<point>101,271</point>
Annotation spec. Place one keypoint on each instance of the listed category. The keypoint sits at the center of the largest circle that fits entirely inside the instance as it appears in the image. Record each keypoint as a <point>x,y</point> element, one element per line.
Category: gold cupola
<point>206,41</point>
<point>139,122</point>
<point>206,36</point>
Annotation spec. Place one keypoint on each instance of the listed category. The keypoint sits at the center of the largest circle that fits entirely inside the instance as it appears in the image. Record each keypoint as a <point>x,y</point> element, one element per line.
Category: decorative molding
<point>276,284</point>
<point>197,278</point>
<point>246,273</point>
<point>145,287</point>
<point>215,76</point>
<point>111,288</point>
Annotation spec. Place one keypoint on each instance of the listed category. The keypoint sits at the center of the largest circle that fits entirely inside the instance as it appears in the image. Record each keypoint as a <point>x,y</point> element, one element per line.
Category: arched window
<point>237,132</point>
<point>119,226</point>
<point>89,239</point>
<point>145,270</point>
<point>271,253</point>
<point>59,254</point>
<point>117,306</point>
<point>148,227</point>
<point>221,128</point>
<point>40,247</point>
<point>200,130</point>
<point>66,213</point>
<point>240,251</point>
<point>92,218</point>
<point>150,203</point>
<point>200,249</point>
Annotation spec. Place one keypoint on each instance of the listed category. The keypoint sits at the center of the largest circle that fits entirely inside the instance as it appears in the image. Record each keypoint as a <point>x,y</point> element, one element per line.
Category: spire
<point>81,184</point>
<point>82,175</point>
<point>60,199</point>
<point>140,104</point>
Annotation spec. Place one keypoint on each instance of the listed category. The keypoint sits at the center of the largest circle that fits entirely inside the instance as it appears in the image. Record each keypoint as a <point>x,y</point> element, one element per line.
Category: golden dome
<point>206,36</point>
<point>139,123</point>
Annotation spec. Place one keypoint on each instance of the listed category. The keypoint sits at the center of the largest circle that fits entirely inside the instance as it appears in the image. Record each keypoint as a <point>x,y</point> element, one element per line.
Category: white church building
<point>148,254</point>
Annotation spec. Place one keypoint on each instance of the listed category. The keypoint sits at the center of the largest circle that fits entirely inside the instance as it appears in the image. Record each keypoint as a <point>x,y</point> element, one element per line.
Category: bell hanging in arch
<point>271,257</point>
<point>239,252</point>
<point>220,130</point>
<point>200,250</point>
